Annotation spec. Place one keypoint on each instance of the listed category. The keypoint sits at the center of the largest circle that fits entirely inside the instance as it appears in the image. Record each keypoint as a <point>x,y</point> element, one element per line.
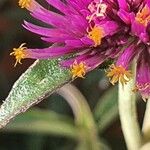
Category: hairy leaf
<point>39,81</point>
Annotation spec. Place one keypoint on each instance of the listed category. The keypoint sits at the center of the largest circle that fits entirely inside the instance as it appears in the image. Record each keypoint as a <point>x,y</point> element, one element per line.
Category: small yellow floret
<point>19,53</point>
<point>143,16</point>
<point>119,73</point>
<point>25,3</point>
<point>96,34</point>
<point>78,70</point>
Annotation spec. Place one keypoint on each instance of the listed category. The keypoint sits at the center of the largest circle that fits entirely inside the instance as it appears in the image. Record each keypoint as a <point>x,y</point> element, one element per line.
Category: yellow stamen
<point>119,73</point>
<point>143,16</point>
<point>78,70</point>
<point>19,53</point>
<point>25,3</point>
<point>96,34</point>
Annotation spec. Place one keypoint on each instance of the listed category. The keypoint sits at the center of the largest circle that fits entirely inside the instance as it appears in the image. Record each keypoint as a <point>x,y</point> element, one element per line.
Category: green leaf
<point>39,81</point>
<point>43,122</point>
<point>106,110</point>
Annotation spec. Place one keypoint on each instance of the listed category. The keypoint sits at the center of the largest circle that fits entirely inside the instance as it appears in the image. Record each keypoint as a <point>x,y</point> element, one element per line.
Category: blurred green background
<point>50,125</point>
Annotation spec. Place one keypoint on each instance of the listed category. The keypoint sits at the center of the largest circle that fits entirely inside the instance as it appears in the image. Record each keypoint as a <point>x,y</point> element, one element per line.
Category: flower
<point>19,53</point>
<point>78,70</point>
<point>95,31</point>
<point>24,3</point>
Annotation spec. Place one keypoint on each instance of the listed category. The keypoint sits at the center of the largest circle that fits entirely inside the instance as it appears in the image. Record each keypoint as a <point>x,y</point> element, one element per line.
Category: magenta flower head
<point>94,31</point>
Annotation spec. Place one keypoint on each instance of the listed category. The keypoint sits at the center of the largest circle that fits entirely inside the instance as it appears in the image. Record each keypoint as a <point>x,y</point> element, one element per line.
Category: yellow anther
<point>143,16</point>
<point>78,70</point>
<point>96,34</point>
<point>119,73</point>
<point>25,3</point>
<point>19,53</point>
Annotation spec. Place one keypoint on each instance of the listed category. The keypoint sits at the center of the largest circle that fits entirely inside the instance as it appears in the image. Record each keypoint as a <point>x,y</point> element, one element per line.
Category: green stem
<point>84,120</point>
<point>146,122</point>
<point>128,116</point>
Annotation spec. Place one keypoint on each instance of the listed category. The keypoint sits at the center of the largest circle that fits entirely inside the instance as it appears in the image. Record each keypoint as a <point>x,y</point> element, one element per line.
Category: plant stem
<point>128,116</point>
<point>146,122</point>
<point>88,138</point>
<point>145,146</point>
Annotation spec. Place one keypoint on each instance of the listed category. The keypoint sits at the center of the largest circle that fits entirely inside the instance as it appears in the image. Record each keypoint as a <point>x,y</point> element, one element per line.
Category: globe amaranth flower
<point>94,31</point>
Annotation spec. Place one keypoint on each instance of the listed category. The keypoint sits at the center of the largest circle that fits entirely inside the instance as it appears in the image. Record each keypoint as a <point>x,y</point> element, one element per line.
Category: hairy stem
<point>146,122</point>
<point>128,116</point>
